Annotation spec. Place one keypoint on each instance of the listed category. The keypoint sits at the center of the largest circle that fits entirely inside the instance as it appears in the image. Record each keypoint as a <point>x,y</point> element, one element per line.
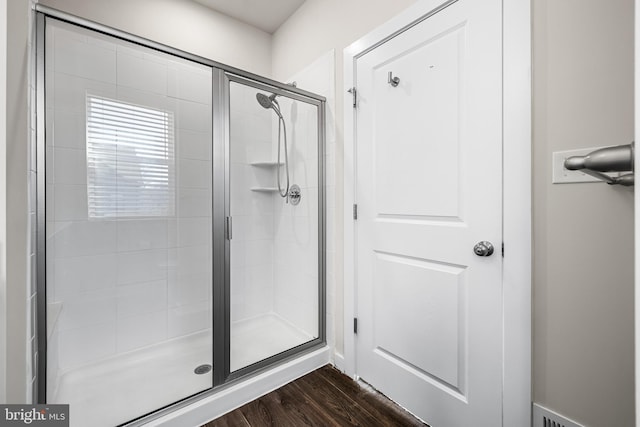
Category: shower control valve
<point>294,194</point>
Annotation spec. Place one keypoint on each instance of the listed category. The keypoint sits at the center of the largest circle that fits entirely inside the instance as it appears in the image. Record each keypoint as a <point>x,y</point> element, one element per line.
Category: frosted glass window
<point>130,160</point>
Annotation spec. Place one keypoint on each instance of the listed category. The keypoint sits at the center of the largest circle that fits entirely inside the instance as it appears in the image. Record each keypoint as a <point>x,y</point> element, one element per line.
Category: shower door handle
<point>229,227</point>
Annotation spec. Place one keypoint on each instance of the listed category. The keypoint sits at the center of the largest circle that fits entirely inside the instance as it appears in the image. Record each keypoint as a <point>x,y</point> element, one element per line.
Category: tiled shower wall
<point>119,284</point>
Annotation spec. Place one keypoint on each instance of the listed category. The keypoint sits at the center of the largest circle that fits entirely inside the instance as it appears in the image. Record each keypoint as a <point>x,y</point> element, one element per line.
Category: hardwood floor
<point>324,397</point>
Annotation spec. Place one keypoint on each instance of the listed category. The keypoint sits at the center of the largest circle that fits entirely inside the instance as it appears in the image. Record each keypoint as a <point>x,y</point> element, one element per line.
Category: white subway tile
<point>70,166</point>
<point>142,266</point>
<point>187,319</point>
<point>86,344</point>
<point>194,116</point>
<point>82,238</point>
<point>71,202</point>
<point>84,274</point>
<point>194,173</point>
<point>64,31</point>
<point>141,330</point>
<point>126,48</point>
<point>141,298</point>
<point>190,82</point>
<point>194,203</point>
<point>102,40</point>
<point>304,172</point>
<point>85,60</point>
<point>142,73</point>
<point>68,130</point>
<point>261,227</point>
<point>189,289</point>
<point>193,260</point>
<point>238,281</point>
<point>190,232</point>
<point>142,234</point>
<point>70,92</point>
<point>146,99</point>
<point>193,145</point>
<point>81,310</point>
<point>259,252</point>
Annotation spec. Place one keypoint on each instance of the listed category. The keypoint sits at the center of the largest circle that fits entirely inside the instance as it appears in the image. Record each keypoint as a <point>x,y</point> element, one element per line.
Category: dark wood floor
<point>324,397</point>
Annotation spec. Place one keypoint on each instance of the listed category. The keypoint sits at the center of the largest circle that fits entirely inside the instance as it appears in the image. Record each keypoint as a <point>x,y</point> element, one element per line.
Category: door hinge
<point>229,225</point>
<point>355,211</point>
<point>502,249</point>
<point>355,325</point>
<point>354,93</point>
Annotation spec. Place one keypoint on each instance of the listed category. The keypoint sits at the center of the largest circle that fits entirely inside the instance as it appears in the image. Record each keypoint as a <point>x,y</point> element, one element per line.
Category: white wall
<point>17,176</point>
<point>583,233</point>
<point>316,27</point>
<point>181,24</point>
<point>3,201</point>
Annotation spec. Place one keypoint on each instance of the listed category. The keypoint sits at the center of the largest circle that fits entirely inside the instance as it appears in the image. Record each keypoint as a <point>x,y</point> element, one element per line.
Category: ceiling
<point>263,14</point>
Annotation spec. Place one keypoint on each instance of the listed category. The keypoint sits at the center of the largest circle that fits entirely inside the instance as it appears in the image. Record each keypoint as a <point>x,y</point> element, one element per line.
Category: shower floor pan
<point>119,389</point>
<point>255,339</point>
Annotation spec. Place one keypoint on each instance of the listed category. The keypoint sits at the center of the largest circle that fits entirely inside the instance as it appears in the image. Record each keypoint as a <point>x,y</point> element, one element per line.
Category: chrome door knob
<point>483,248</point>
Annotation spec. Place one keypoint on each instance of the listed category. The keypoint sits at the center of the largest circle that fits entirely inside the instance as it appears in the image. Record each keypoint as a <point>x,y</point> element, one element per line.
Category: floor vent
<point>543,417</point>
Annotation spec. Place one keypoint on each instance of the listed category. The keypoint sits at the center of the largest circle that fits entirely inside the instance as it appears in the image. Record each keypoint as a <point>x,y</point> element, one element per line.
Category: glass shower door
<point>275,269</point>
<point>128,220</point>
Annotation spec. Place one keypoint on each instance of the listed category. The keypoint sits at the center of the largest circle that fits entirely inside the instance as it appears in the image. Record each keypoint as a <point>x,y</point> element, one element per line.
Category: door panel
<point>402,150</point>
<point>429,186</point>
<point>427,303</point>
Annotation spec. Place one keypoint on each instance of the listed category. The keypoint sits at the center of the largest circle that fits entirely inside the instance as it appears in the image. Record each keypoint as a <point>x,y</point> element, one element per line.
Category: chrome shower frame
<point>319,102</point>
<point>222,76</point>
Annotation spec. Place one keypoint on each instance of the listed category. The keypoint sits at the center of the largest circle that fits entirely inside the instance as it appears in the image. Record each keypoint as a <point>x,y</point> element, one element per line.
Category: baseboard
<point>338,361</point>
<point>543,417</point>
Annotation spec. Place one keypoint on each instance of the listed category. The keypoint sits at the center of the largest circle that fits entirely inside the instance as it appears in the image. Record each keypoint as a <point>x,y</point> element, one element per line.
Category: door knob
<point>483,248</point>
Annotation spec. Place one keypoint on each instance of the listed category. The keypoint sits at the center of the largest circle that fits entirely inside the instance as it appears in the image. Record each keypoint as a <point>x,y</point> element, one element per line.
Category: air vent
<point>543,417</point>
<point>548,422</point>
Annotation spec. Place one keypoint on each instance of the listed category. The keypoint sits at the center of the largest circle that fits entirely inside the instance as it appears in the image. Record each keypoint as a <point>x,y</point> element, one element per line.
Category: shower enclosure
<point>180,223</point>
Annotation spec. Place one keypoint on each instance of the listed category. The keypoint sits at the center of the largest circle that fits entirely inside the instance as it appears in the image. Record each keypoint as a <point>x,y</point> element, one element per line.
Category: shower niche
<point>170,254</point>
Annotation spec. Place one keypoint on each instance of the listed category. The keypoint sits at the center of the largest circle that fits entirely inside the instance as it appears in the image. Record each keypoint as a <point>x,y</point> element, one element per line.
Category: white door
<point>429,187</point>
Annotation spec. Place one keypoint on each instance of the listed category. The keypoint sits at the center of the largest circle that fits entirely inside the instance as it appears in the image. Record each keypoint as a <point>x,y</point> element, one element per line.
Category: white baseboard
<point>338,361</point>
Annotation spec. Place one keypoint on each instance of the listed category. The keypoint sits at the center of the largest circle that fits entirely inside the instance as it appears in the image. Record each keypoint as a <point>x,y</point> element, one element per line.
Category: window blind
<point>130,160</point>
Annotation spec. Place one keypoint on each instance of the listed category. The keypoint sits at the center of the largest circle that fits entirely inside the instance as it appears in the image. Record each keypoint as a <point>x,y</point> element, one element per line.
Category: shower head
<point>264,100</point>
<point>269,102</point>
